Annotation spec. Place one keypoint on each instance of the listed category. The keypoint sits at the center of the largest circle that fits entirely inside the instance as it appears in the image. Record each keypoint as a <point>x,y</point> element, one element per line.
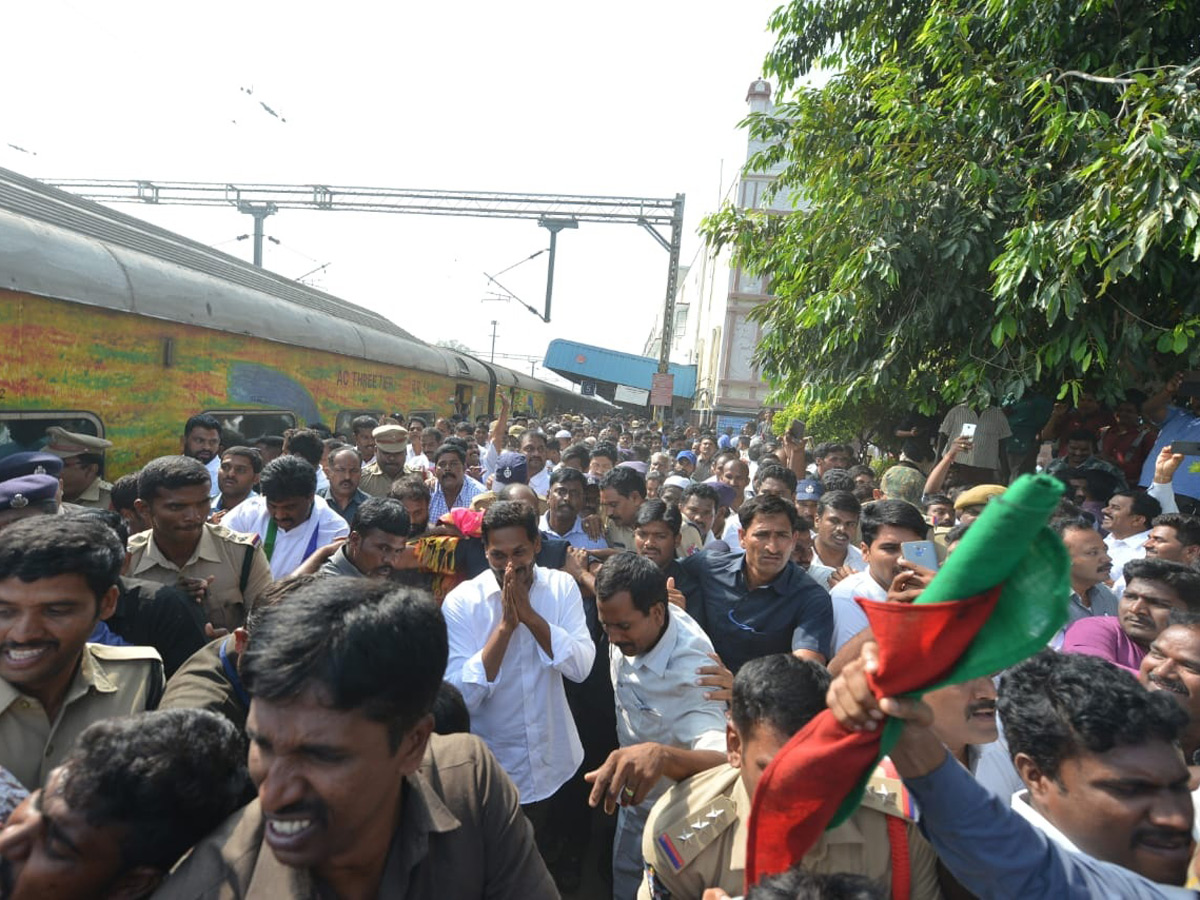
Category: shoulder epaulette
<point>686,838</point>
<point>124,652</point>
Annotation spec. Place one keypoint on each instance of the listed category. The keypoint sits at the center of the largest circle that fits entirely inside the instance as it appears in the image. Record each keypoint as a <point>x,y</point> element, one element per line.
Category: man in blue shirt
<point>1174,424</point>
<point>758,601</point>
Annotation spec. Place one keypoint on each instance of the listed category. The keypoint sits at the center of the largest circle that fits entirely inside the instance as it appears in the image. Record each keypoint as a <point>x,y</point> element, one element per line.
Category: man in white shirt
<point>1127,519</point>
<point>288,516</point>
<point>885,524</point>
<point>667,729</point>
<point>202,441</point>
<point>515,631</point>
<point>533,445</point>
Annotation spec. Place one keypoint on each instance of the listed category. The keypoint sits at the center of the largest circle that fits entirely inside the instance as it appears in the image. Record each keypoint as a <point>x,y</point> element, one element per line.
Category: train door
<point>464,394</point>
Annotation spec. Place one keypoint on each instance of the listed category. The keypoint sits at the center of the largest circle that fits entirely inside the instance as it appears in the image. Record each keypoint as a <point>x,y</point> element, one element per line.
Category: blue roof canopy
<point>587,362</point>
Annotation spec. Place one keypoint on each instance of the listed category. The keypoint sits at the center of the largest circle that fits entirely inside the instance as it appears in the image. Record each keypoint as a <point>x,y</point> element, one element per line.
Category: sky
<point>625,98</point>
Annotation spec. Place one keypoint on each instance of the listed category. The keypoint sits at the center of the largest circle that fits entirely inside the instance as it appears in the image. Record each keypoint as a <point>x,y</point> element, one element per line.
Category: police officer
<point>29,486</point>
<point>391,450</point>
<point>224,570</point>
<point>695,837</point>
<point>58,578</point>
<point>83,461</point>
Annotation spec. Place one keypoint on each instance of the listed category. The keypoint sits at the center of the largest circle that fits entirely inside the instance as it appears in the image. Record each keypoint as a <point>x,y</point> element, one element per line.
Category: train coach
<point>114,327</point>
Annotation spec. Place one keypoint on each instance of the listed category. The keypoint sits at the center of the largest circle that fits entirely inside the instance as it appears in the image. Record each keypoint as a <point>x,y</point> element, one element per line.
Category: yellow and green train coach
<point>114,327</point>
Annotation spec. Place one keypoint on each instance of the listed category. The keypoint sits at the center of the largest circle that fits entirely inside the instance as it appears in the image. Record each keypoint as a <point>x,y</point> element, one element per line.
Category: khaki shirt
<point>374,481</point>
<point>461,835</point>
<point>110,681</point>
<point>618,536</point>
<point>701,823</point>
<point>97,495</point>
<point>203,683</point>
<point>220,553</point>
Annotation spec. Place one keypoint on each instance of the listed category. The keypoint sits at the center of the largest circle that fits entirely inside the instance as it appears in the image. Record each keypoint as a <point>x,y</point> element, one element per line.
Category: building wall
<point>715,300</point>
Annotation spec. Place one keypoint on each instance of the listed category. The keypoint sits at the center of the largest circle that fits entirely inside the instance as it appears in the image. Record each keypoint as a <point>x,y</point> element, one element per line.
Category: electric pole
<point>493,356</point>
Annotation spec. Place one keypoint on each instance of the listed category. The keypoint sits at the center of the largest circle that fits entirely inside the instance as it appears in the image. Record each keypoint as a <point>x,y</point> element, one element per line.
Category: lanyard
<point>231,673</point>
<point>269,543</point>
<point>273,530</point>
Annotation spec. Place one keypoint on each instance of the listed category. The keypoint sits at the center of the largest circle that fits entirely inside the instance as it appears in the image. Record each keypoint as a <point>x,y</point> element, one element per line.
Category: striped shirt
<point>991,429</point>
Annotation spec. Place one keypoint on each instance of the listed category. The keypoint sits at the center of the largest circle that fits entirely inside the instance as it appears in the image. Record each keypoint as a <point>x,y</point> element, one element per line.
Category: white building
<point>712,325</point>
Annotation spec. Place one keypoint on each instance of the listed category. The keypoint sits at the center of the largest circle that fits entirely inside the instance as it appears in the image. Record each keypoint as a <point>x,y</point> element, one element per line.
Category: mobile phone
<point>1190,386</point>
<point>968,430</point>
<point>1187,448</point>
<point>796,430</point>
<point>923,553</point>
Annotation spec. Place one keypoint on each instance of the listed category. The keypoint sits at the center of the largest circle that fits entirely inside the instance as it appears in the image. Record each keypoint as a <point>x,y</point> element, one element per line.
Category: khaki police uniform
<point>220,553</point>
<point>696,835</point>
<point>389,439</point>
<point>97,495</point>
<point>374,481</point>
<point>110,681</point>
<point>66,445</point>
<point>618,536</point>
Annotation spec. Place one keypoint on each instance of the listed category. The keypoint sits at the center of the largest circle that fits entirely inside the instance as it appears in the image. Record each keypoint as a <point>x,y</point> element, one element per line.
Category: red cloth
<point>804,786</point>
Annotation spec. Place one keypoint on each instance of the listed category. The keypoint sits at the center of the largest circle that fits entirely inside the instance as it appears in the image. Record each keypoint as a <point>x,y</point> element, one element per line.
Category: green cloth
<point>1010,545</point>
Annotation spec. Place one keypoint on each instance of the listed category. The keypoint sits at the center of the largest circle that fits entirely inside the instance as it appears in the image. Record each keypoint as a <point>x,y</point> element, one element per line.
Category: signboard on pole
<point>587,388</point>
<point>662,388</point>
<point>631,395</point>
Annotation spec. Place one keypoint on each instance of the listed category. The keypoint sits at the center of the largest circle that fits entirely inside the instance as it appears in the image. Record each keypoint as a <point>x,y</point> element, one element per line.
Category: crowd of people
<point>459,659</point>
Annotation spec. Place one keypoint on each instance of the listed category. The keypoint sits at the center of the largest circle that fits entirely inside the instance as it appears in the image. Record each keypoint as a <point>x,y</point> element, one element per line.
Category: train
<point>114,327</point>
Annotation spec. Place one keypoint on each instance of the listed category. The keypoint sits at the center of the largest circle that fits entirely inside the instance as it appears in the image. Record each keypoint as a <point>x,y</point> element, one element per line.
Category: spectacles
<point>742,625</point>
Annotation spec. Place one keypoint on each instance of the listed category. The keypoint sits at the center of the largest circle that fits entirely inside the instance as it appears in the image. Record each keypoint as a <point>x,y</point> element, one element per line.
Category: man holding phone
<point>1177,425</point>
<point>886,525</point>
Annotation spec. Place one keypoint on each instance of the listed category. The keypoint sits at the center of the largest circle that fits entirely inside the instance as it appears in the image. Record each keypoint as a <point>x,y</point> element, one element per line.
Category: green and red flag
<point>998,600</point>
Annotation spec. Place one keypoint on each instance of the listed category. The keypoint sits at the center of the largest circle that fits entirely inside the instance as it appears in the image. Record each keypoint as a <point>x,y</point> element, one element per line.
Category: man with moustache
<point>1172,664</point>
<point>454,490</point>
<point>758,601</point>
<point>288,517</point>
<point>565,501</point>
<point>1155,589</point>
<point>1175,537</point>
<point>515,631</point>
<point>356,797</point>
<point>1090,568</point>
<point>391,450</point>
<point>1127,519</point>
<point>533,446</point>
<point>343,494</point>
<point>58,578</point>
<point>378,536</point>
<point>237,477</point>
<point>202,441</point>
<point>1106,811</point>
<point>667,726</point>
<point>135,794</point>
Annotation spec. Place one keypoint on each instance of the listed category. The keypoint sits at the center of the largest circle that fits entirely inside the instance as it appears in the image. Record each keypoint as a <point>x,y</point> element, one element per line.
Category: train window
<point>341,425</point>
<point>463,368</point>
<point>254,423</point>
<point>21,431</point>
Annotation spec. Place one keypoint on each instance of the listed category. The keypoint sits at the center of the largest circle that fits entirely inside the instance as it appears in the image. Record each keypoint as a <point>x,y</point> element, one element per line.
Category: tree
<point>997,195</point>
<point>456,346</point>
